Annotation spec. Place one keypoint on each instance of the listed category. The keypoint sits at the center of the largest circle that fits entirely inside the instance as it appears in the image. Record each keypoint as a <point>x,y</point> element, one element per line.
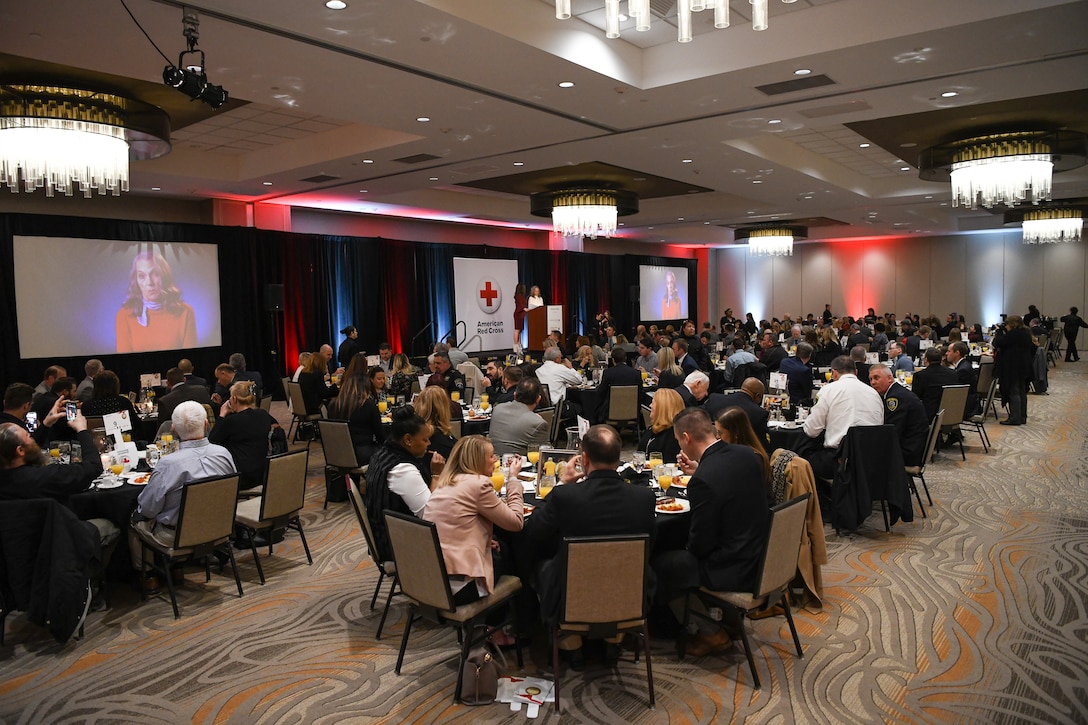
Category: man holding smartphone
<point>62,389</point>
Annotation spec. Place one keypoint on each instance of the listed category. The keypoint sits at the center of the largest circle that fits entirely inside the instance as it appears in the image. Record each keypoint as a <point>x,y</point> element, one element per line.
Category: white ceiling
<point>329,90</point>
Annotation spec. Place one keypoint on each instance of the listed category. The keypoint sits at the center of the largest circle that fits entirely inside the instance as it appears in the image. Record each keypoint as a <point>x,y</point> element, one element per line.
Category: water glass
<point>152,456</point>
<point>638,460</point>
<point>65,451</point>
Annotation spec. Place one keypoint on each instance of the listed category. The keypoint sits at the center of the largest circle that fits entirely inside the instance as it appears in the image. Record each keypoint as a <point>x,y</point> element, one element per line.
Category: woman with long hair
<point>153,315</point>
<point>829,347</point>
<point>311,381</point>
<point>734,427</point>
<point>585,360</point>
<point>465,509</point>
<point>669,374</point>
<point>433,406</point>
<point>358,405</point>
<point>404,374</point>
<point>106,398</point>
<point>521,307</point>
<point>535,298</point>
<point>666,405</point>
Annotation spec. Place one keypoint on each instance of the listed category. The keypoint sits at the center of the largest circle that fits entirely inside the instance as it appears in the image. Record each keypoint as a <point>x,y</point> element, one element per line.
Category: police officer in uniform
<point>904,410</point>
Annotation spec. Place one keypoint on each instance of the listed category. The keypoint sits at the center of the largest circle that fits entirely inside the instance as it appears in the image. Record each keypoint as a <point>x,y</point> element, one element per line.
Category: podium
<point>539,322</point>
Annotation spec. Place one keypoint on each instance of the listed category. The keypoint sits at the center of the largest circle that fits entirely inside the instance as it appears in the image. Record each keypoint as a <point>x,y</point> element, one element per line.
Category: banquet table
<point>116,505</point>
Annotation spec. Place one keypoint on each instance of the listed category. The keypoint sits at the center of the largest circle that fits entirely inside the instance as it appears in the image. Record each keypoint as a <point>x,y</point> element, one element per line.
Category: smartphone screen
<point>70,410</point>
<point>32,421</point>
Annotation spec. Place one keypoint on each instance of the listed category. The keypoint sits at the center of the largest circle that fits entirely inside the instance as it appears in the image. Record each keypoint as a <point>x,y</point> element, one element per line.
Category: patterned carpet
<point>974,615</point>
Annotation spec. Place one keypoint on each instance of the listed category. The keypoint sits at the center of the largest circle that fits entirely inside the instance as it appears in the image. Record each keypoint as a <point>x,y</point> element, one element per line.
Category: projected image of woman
<point>154,317</point>
<point>670,303</point>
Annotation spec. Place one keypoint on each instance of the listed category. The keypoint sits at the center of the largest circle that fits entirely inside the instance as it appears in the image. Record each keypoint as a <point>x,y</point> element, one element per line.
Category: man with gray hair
<point>159,503</point>
<point>557,374</point>
<point>695,389</point>
<point>238,361</point>
<point>844,403</point>
<point>86,388</point>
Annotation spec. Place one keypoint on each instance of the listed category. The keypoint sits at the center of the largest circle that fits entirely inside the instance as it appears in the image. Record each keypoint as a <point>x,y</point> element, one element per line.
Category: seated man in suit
<point>186,368</point>
<point>965,375</point>
<point>771,353</point>
<point>904,410</point>
<point>238,361</point>
<point>516,425</point>
<point>798,374</point>
<point>600,505</point>
<point>180,391</point>
<point>619,374</point>
<point>929,382</point>
<point>749,399</point>
<point>729,520</point>
<point>695,388</point>
<point>687,362</point>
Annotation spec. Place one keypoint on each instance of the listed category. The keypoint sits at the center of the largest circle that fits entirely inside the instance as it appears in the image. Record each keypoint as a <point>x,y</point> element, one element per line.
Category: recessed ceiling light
<point>863,145</point>
<point>908,145</point>
<point>757,181</point>
<point>423,119</point>
<point>434,178</point>
<point>336,4</point>
<point>267,183</point>
<point>363,191</point>
<point>566,84</point>
<point>904,168</point>
<point>802,72</point>
<point>156,188</point>
<point>679,218</point>
<point>519,163</point>
<point>685,161</point>
<point>929,196</point>
<point>949,94</point>
<point>774,121</point>
<point>368,161</point>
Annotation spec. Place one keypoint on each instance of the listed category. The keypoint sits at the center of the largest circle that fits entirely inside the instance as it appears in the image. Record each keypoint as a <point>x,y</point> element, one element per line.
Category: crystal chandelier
<point>584,212</point>
<point>639,11</point>
<point>1048,226</point>
<point>771,241</point>
<point>62,139</point>
<point>1003,168</point>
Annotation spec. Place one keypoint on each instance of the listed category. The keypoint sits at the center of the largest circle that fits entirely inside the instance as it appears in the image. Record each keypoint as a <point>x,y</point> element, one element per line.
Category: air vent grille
<point>797,84</point>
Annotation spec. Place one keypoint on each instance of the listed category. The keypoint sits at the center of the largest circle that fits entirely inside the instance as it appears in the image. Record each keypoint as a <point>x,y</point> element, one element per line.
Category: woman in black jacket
<point>1015,355</point>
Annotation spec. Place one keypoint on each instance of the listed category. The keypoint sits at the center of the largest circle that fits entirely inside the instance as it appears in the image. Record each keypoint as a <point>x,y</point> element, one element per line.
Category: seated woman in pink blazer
<point>464,507</point>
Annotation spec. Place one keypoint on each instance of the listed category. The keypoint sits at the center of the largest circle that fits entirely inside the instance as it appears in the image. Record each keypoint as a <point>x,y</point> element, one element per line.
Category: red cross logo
<point>488,294</point>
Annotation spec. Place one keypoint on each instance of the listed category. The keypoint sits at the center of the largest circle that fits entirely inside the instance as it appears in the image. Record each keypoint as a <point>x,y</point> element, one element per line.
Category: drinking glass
<point>65,450</point>
<point>116,468</point>
<point>547,483</point>
<point>655,460</point>
<point>153,456</point>
<point>827,376</point>
<point>638,460</point>
<point>382,406</point>
<point>497,478</point>
<point>455,396</point>
<point>54,453</point>
<point>533,453</point>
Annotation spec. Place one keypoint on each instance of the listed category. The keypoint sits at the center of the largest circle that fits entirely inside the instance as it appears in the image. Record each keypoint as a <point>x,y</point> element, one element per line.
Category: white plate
<point>109,483</point>
<point>685,506</point>
<point>138,478</point>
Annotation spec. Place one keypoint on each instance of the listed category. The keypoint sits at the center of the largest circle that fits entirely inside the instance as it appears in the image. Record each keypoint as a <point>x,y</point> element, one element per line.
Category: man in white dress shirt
<point>557,374</point>
<point>843,403</point>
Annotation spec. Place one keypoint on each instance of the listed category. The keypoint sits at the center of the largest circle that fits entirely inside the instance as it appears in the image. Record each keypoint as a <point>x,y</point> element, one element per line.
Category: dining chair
<point>279,506</point>
<point>985,376</point>
<point>978,422</point>
<point>953,401</point>
<point>455,428</point>
<point>919,472</point>
<point>266,403</point>
<point>205,526</point>
<point>556,426</point>
<point>776,570</point>
<point>623,406</point>
<point>421,573</point>
<point>870,469</point>
<point>590,610</point>
<point>300,415</point>
<point>385,568</point>
<point>339,450</point>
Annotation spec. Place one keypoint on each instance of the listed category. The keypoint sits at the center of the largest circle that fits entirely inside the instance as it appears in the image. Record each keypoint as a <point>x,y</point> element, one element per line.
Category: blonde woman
<point>465,509</point>
<point>433,405</point>
<point>666,405</point>
<point>669,374</point>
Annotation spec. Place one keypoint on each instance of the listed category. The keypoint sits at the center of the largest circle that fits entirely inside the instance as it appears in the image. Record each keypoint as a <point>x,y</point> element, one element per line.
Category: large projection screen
<point>663,292</point>
<point>87,297</point>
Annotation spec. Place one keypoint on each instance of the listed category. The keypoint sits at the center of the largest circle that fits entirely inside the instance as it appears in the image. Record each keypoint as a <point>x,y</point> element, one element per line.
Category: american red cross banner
<point>484,290</point>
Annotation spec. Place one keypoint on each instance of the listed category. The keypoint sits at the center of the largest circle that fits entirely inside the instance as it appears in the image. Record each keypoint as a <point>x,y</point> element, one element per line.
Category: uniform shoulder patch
<point>892,403</point>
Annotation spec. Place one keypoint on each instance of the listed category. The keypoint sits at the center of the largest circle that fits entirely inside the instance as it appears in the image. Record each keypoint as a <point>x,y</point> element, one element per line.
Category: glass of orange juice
<point>663,476</point>
<point>547,483</point>
<point>533,453</point>
<point>909,378</point>
<point>455,396</point>
<point>116,468</point>
<point>655,460</point>
<point>827,376</point>
<point>54,452</point>
<point>497,479</point>
<point>382,406</point>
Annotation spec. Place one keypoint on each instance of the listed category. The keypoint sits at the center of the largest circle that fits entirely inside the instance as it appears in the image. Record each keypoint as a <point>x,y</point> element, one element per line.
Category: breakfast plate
<point>673,506</point>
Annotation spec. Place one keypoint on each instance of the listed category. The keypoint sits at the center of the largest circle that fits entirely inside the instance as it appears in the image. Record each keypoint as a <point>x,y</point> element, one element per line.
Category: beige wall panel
<point>912,277</point>
<point>731,265</point>
<point>1063,278</point>
<point>947,262</point>
<point>878,261</point>
<point>1023,273</point>
<point>848,277</point>
<point>984,278</point>
<point>787,286</point>
<point>815,280</point>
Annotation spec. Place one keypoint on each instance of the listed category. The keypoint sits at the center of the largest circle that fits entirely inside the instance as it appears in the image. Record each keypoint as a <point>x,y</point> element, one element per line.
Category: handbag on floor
<point>480,674</point>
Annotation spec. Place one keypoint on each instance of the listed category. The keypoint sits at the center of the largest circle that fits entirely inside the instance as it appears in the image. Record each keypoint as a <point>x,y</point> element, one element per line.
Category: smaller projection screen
<point>86,297</point>
<point>663,292</point>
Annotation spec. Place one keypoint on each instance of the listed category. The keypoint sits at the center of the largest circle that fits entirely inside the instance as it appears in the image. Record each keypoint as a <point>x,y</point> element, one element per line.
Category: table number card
<point>778,381</point>
<point>150,380</point>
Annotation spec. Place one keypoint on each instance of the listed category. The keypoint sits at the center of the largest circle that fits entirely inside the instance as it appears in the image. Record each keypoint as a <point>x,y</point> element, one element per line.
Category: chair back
<point>298,402</point>
<point>557,420</point>
<point>587,561</point>
<point>988,401</point>
<point>931,441</point>
<point>167,426</point>
<point>266,403</point>
<point>418,557</point>
<point>356,499</point>
<point>779,564</point>
<point>954,400</point>
<point>337,445</point>
<point>285,489</point>
<point>985,376</point>
<point>646,417</point>
<point>207,511</point>
<point>455,428</point>
<point>286,393</point>
<point>469,395</point>
<point>623,402</point>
